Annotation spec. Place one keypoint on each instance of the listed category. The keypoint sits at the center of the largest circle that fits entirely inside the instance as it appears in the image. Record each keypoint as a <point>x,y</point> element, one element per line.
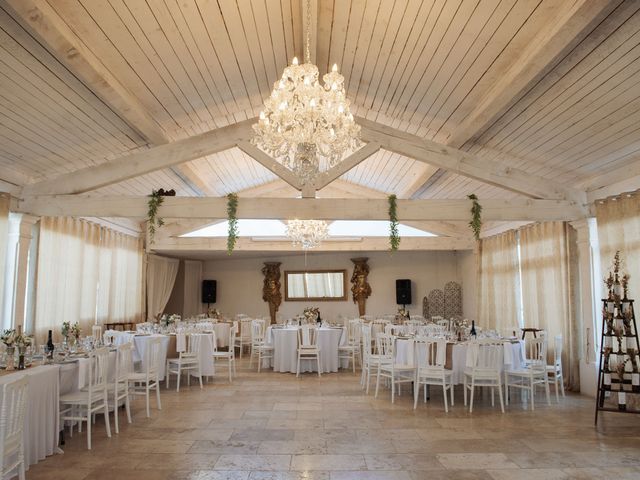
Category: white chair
<point>188,362</point>
<point>118,390</point>
<point>13,403</point>
<point>229,355</point>
<point>308,348</point>
<point>81,405</point>
<point>96,332</point>
<point>351,349</point>
<point>370,361</point>
<point>258,347</point>
<point>556,369</point>
<point>243,339</point>
<point>388,368</point>
<point>485,359</point>
<point>141,383</point>
<point>533,374</point>
<point>431,355</point>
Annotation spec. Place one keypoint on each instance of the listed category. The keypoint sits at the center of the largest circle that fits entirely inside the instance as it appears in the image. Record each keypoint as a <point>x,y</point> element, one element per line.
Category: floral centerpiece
<point>70,332</point>
<point>167,320</point>
<point>402,315</point>
<point>311,314</point>
<point>22,342</point>
<point>213,313</point>
<point>460,326</point>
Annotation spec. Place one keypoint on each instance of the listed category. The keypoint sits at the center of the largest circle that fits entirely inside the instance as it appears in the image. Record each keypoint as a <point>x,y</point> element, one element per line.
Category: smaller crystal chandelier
<point>306,126</point>
<point>307,233</point>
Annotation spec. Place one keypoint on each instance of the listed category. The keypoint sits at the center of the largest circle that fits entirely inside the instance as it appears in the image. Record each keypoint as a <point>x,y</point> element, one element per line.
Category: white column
<point>22,268</point>
<point>587,243</point>
<point>5,200</point>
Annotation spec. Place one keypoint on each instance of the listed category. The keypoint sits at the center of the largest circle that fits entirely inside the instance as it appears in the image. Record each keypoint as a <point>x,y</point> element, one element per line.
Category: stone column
<point>23,244</point>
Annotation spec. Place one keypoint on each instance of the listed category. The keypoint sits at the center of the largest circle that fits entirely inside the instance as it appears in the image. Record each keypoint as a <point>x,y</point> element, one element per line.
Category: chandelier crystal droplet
<point>306,126</point>
<point>307,233</point>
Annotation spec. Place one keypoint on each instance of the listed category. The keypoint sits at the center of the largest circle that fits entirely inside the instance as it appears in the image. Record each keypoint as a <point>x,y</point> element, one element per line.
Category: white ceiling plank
<point>268,162</point>
<point>304,208</point>
<point>357,157</point>
<point>552,44</point>
<point>155,158</point>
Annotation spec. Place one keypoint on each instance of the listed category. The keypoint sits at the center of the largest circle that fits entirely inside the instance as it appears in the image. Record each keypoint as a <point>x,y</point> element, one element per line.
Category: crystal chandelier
<point>306,126</point>
<point>307,233</point>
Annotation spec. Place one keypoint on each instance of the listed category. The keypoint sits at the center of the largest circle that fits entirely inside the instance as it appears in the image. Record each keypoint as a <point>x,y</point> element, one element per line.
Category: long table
<point>41,421</point>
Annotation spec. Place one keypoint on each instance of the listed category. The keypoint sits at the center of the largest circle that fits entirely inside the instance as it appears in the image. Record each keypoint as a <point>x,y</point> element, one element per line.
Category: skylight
<point>338,228</point>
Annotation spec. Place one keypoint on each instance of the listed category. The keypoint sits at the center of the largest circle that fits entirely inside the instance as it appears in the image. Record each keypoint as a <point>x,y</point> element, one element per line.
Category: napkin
<point>441,351</point>
<point>181,342</point>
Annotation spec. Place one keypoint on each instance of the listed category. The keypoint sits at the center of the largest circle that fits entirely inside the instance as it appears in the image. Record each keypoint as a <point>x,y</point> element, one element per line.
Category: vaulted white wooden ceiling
<point>421,66</point>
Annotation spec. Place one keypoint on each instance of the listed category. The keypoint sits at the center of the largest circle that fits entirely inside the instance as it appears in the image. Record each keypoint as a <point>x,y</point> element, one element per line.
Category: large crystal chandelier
<point>306,126</point>
<point>307,233</point>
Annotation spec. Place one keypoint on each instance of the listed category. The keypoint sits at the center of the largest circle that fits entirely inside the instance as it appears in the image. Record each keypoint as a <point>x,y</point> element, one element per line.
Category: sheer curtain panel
<point>68,273</point>
<point>192,288</point>
<point>161,275</point>
<point>619,229</point>
<point>498,283</point>
<point>548,271</point>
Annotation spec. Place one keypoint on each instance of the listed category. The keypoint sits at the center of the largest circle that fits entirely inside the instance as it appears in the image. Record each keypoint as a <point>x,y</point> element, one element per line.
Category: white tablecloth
<point>140,345</point>
<point>75,375</point>
<point>285,350</point>
<point>205,352</point>
<point>41,422</point>
<point>222,333</point>
<point>513,356</point>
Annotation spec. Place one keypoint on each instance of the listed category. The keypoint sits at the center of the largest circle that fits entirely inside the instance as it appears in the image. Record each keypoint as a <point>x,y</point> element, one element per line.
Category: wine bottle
<point>50,346</point>
<point>473,328</point>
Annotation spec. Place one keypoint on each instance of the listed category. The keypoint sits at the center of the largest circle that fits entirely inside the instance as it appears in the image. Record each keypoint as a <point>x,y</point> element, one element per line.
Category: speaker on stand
<point>209,290</point>
<point>403,292</point>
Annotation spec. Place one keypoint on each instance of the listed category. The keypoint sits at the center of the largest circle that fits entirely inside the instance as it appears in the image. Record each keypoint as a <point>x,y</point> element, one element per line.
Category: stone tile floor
<point>278,427</point>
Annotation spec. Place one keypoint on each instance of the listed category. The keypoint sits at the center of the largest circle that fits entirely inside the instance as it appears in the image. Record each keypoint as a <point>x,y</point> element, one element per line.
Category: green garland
<point>476,219</point>
<point>153,221</point>
<point>232,208</point>
<point>394,238</point>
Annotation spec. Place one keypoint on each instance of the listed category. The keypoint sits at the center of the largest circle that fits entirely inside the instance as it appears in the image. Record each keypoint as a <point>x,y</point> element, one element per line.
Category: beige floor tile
<point>402,462</point>
<point>328,462</point>
<point>253,462</point>
<point>479,461</point>
<point>295,447</point>
<point>528,474</point>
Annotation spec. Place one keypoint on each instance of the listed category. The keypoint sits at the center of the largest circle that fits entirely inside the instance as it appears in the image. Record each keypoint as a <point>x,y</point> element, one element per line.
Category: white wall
<point>240,280</point>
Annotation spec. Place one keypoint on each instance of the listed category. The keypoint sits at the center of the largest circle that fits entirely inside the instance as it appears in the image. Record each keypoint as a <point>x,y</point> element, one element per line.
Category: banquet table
<point>457,356</point>
<point>74,374</point>
<point>205,350</point>
<point>285,350</point>
<point>41,421</point>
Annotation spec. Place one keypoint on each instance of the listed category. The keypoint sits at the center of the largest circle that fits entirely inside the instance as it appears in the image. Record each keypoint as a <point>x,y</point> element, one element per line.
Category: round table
<point>285,349</point>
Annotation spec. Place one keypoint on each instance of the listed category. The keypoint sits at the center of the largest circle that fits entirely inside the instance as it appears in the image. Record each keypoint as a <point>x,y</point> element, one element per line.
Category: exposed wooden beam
<point>419,182</point>
<point>617,181</point>
<point>466,164</point>
<point>560,35</point>
<point>304,208</point>
<point>270,163</point>
<point>146,161</point>
<point>365,244</point>
<point>71,51</point>
<point>275,188</point>
<point>357,157</point>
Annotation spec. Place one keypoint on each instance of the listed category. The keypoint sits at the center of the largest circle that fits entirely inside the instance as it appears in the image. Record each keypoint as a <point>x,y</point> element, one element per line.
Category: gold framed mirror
<point>316,285</point>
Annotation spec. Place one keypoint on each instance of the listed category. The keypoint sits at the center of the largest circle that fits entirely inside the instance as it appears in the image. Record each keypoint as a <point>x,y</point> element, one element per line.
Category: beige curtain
<point>5,200</point>
<point>619,229</point>
<point>192,288</point>
<point>161,275</point>
<point>68,273</point>
<point>120,290</point>
<point>498,283</point>
<point>548,270</point>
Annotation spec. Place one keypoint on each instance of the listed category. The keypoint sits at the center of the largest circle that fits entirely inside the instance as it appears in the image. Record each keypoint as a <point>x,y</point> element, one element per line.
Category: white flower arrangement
<point>8,337</point>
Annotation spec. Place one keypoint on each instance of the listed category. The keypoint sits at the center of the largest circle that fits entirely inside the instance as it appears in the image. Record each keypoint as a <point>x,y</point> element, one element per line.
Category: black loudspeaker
<point>209,291</point>
<point>403,292</point>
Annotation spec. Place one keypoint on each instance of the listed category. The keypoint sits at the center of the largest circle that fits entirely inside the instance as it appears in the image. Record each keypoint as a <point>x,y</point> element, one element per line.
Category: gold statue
<point>271,289</point>
<point>361,289</point>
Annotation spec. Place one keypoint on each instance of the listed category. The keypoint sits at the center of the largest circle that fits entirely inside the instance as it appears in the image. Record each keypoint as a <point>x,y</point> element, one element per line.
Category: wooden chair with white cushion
<point>388,368</point>
<point>229,355</point>
<point>141,383</point>
<point>533,374</point>
<point>187,362</point>
<point>118,390</point>
<point>258,347</point>
<point>13,404</point>
<point>485,359</point>
<point>431,355</point>
<point>556,369</point>
<point>81,405</point>
<point>243,338</point>
<point>351,349</point>
<point>308,348</point>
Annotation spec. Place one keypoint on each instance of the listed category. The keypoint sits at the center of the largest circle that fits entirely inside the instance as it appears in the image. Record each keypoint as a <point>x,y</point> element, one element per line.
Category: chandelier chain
<point>307,55</point>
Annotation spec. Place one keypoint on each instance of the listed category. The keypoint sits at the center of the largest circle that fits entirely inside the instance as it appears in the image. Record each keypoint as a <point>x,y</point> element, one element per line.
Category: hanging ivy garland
<point>394,237</point>
<point>476,219</point>
<point>232,208</point>
<point>153,221</point>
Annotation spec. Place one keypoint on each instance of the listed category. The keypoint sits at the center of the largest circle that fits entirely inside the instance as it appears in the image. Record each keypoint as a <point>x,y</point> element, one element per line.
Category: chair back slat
<point>307,336</point>
<point>153,357</point>
<point>13,402</point>
<point>384,345</point>
<point>124,362</point>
